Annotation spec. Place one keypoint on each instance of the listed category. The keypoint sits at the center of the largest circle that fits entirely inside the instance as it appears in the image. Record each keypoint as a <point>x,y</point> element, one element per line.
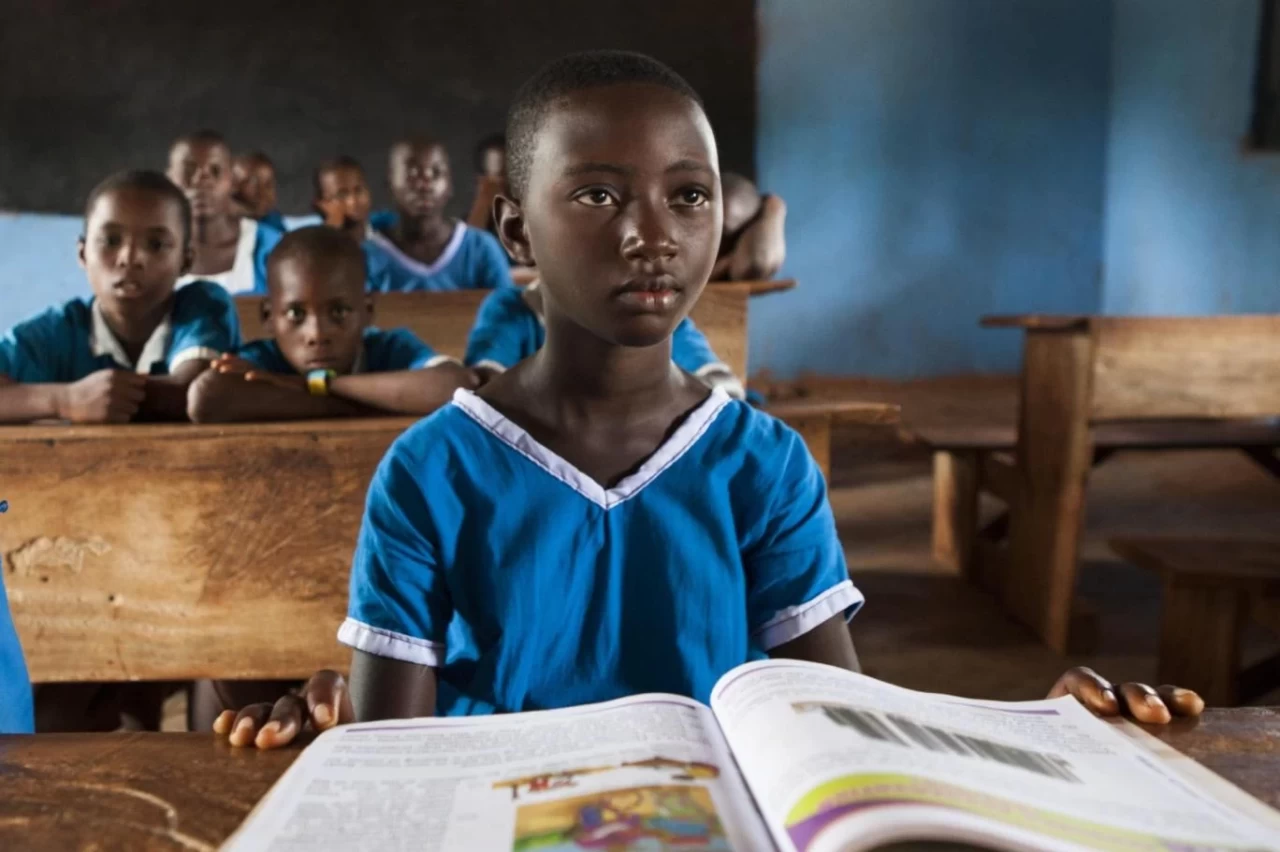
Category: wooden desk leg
<point>1055,453</point>
<point>955,509</point>
<point>1200,640</point>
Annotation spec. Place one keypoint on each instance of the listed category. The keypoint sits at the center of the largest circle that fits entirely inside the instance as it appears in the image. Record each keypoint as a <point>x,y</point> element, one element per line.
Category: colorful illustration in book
<point>548,781</point>
<point>636,819</point>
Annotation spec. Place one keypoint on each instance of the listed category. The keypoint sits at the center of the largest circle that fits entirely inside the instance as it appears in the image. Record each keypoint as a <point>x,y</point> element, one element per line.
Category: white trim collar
<point>103,341</point>
<point>416,266</point>
<point>667,454</point>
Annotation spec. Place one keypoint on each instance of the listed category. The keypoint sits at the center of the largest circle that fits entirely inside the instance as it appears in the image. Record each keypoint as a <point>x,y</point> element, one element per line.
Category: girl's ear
<point>80,252</point>
<point>512,230</point>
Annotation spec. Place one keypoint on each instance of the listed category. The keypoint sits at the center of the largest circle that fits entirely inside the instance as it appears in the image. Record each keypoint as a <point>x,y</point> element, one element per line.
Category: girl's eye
<point>156,245</point>
<point>340,314</point>
<point>295,315</point>
<point>594,197</point>
<point>693,197</point>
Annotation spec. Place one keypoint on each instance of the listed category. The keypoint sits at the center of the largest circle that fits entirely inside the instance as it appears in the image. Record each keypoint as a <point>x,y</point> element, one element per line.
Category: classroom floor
<point>924,628</point>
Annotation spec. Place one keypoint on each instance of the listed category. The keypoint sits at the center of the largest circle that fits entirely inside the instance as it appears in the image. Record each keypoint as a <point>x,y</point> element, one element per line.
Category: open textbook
<point>789,756</point>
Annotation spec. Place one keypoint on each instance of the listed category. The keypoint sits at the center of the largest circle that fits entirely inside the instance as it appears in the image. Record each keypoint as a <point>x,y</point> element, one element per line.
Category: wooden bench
<point>1210,589</point>
<point>1091,386</point>
<point>444,320</point>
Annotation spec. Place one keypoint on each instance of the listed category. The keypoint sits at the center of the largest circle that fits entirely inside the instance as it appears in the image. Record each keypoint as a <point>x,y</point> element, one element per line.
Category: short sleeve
<point>399,605</point>
<point>400,349</point>
<point>40,349</point>
<point>492,268</point>
<point>267,239</point>
<point>504,333</point>
<point>267,355</point>
<point>795,567</point>
<point>205,324</point>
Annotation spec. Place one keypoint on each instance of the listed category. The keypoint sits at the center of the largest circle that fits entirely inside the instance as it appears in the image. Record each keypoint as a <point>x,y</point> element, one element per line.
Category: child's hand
<point>333,211</point>
<point>324,701</point>
<point>107,396</point>
<point>1141,702</point>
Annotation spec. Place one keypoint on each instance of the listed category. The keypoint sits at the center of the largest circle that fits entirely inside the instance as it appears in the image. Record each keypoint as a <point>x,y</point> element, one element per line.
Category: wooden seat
<point>1092,386</point>
<point>1210,588</point>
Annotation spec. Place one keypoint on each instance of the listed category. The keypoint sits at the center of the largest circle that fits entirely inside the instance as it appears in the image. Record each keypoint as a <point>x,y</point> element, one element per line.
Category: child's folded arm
<point>107,396</point>
<point>23,403</point>
<point>228,398</point>
<point>166,397</point>
<point>405,391</point>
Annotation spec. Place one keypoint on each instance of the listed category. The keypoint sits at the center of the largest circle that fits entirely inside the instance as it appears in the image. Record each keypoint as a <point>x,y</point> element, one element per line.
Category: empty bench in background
<point>1211,588</point>
<point>1089,387</point>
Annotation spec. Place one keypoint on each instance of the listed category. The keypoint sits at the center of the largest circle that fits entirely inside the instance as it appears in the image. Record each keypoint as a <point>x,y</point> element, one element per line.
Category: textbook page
<point>840,761</point>
<point>645,773</point>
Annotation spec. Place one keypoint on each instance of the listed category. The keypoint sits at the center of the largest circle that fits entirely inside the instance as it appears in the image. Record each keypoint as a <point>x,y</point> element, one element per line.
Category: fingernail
<point>244,726</point>
<point>322,714</point>
<point>1154,701</point>
<point>271,728</point>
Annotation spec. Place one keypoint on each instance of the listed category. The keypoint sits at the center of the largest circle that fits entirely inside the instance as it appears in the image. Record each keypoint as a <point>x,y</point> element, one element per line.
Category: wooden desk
<point>188,792</point>
<point>1091,385</point>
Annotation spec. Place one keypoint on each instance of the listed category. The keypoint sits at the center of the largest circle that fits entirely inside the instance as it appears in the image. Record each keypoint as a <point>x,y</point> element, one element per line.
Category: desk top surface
<point>188,791</point>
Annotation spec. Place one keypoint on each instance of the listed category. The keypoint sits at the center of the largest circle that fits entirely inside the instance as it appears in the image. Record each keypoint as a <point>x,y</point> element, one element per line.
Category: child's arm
<point>762,248</point>
<point>166,396</point>
<point>827,643</point>
<point>405,391</point>
<point>217,397</point>
<point>380,688</point>
<point>107,396</point>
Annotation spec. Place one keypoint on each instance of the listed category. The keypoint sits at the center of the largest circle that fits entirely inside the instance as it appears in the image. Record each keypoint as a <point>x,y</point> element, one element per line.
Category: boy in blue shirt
<point>230,250</point>
<point>595,522</point>
<point>325,360</point>
<point>509,328</point>
<point>131,350</point>
<point>343,200</point>
<point>254,189</point>
<point>429,250</point>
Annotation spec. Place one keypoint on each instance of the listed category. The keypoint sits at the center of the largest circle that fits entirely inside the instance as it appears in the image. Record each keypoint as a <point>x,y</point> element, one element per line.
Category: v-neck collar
<point>667,453</point>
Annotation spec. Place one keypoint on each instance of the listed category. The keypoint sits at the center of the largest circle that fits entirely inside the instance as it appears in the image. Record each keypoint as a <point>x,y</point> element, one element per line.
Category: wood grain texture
<point>1054,456</point>
<point>1225,366</point>
<point>1045,322</point>
<point>184,552</point>
<point>186,792</point>
<point>955,509</point>
<point>444,319</point>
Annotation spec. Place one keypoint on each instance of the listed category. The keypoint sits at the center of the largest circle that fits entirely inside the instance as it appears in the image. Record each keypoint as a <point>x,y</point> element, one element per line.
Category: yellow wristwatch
<point>318,382</point>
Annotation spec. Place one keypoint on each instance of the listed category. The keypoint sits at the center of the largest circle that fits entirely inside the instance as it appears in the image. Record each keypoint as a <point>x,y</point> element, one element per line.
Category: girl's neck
<point>215,230</point>
<point>133,332</point>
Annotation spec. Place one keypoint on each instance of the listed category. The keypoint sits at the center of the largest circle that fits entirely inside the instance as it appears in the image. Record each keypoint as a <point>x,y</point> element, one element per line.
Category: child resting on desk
<point>510,327</point>
<point>131,350</point>
<point>428,249</point>
<point>254,189</point>
<point>596,522</point>
<point>230,250</point>
<point>325,360</point>
<point>343,200</point>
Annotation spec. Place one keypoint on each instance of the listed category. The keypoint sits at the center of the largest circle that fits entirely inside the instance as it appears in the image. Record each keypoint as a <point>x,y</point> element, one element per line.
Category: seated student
<point>229,249</point>
<point>754,243</point>
<point>429,250</point>
<point>596,523</point>
<point>131,350</point>
<point>343,200</point>
<point>491,180</point>
<point>509,328</point>
<point>254,189</point>
<point>326,359</point>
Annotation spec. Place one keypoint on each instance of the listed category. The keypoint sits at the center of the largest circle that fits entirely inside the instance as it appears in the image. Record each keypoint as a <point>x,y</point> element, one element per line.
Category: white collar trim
<point>670,451</point>
<point>416,266</point>
<point>103,341</point>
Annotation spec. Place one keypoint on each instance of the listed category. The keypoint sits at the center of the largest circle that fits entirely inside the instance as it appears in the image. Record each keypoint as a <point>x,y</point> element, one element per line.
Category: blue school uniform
<point>507,331</point>
<point>67,343</point>
<point>382,352</point>
<point>472,260</point>
<point>529,586</point>
<point>248,272</point>
<point>16,713</point>
<point>275,219</point>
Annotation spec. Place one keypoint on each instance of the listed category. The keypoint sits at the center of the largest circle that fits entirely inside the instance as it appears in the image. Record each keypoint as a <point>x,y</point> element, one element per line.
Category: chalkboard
<point>88,88</point>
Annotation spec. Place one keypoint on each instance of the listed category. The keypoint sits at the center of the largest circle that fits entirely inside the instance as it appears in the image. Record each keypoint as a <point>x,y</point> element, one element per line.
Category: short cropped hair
<point>146,181</point>
<point>342,162</point>
<point>565,76</point>
<point>317,244</point>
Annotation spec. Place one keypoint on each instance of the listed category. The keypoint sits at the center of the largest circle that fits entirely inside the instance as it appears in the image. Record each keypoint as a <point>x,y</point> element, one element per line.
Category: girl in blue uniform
<point>596,522</point>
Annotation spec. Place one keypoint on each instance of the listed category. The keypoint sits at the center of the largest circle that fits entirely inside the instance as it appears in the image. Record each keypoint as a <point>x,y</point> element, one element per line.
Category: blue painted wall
<point>38,266</point>
<point>940,160</point>
<point>1193,221</point>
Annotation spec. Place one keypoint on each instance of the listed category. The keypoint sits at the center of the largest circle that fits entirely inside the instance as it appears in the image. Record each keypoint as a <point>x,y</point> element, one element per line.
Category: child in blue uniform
<point>509,328</point>
<point>595,522</point>
<point>16,715</point>
<point>343,200</point>
<point>131,350</point>
<point>230,250</point>
<point>254,189</point>
<point>325,360</point>
<point>429,250</point>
